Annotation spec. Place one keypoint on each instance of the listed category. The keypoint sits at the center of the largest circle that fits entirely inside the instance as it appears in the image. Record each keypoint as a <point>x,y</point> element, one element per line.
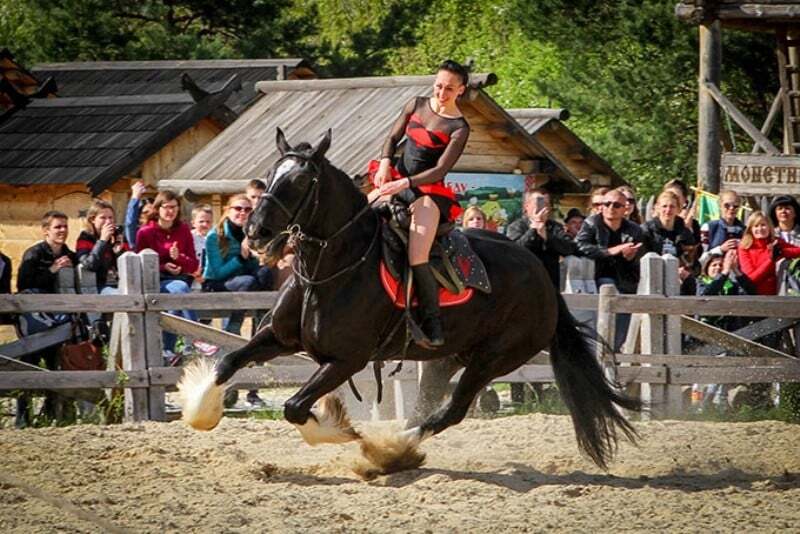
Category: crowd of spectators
<point>722,257</point>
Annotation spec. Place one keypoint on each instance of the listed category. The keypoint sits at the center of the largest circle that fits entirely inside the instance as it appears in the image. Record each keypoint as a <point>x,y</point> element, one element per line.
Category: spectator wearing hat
<point>723,234</point>
<point>783,211</point>
<point>573,222</point>
<point>720,276</point>
<point>541,235</point>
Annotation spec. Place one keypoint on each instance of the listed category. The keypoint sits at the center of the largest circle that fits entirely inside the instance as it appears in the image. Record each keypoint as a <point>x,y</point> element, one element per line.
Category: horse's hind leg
<point>434,385</point>
<point>330,423</point>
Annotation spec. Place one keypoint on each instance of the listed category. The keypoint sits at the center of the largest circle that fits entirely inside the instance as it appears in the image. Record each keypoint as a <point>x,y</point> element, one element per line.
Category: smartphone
<point>539,203</point>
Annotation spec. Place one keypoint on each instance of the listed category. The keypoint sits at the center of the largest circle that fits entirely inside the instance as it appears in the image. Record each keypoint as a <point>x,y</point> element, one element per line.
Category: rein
<point>296,233</point>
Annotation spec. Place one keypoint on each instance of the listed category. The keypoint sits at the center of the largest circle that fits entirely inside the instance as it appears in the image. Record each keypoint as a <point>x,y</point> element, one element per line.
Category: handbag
<point>80,354</point>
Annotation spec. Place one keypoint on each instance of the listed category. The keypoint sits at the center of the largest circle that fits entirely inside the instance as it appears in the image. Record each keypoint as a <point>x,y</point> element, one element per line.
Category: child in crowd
<point>254,190</point>
<point>202,221</point>
<point>473,218</point>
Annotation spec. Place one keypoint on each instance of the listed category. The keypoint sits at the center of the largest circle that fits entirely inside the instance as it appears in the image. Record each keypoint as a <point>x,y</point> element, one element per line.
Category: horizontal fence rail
<point>140,317</point>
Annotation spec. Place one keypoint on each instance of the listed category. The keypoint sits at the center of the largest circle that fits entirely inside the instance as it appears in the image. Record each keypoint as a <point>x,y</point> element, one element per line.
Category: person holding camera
<point>541,235</point>
<point>99,245</point>
<point>760,251</point>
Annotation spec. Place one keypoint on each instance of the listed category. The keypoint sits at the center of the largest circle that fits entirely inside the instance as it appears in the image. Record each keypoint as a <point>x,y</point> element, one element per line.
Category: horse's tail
<point>588,394</point>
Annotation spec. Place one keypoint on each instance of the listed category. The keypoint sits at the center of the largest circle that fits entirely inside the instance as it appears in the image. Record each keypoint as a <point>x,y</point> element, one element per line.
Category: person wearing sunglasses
<point>723,234</point>
<point>631,209</point>
<point>230,264</point>
<point>616,244</point>
<point>597,200</point>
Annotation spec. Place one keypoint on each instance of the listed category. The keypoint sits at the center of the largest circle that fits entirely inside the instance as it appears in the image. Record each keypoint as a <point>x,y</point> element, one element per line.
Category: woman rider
<point>436,134</point>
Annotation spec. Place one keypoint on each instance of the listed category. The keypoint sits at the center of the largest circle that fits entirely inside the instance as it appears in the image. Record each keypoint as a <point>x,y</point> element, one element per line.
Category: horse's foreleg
<point>328,423</point>
<point>201,386</point>
<point>263,347</point>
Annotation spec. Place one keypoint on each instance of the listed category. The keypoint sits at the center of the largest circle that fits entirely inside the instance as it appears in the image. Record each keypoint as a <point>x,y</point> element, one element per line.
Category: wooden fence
<point>660,318</point>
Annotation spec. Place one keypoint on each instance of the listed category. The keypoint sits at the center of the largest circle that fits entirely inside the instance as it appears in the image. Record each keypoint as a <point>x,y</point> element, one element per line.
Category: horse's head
<point>291,196</point>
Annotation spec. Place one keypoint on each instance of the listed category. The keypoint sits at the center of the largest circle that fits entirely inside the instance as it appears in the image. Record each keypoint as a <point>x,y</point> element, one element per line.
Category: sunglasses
<point>730,206</point>
<point>246,209</point>
<point>615,205</point>
<point>630,200</point>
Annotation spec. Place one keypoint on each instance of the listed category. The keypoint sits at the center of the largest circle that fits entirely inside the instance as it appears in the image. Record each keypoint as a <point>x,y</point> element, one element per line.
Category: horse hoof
<point>328,423</point>
<point>387,454</point>
<point>201,398</point>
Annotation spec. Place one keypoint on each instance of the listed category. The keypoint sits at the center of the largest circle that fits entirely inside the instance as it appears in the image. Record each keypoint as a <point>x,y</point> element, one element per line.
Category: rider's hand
<point>384,174</point>
<point>392,188</point>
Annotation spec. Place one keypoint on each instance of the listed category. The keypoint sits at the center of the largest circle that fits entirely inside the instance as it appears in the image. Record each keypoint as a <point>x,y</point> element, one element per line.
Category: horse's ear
<point>283,145</point>
<point>323,145</point>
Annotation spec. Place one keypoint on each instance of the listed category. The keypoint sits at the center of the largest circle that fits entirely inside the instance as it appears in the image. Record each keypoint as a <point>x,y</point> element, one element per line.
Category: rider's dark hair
<point>456,68</point>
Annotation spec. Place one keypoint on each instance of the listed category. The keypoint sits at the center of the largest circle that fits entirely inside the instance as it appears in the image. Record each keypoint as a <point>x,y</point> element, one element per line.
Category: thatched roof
<point>360,112</point>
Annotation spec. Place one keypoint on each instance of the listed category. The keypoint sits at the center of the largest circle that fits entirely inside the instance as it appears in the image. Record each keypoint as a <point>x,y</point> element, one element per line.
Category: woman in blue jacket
<point>230,265</point>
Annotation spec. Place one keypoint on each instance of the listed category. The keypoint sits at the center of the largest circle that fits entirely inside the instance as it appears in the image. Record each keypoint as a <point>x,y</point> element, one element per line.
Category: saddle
<point>454,264</point>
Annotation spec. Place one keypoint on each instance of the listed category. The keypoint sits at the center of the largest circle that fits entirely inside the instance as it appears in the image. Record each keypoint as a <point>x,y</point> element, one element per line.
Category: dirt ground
<point>516,474</point>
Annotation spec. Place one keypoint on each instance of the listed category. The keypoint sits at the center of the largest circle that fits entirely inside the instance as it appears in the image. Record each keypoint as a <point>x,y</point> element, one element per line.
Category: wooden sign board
<point>760,174</point>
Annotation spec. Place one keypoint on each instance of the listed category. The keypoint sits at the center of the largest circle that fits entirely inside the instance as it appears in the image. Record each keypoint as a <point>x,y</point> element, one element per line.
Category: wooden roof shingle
<point>94,140</point>
<point>359,111</point>
<point>120,78</point>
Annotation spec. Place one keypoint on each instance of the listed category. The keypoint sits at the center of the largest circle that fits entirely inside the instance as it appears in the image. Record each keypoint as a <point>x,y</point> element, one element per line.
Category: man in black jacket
<point>616,244</point>
<point>38,273</point>
<point>541,235</point>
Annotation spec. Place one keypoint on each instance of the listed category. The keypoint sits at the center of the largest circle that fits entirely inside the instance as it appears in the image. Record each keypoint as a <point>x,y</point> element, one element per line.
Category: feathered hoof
<point>201,398</point>
<point>389,453</point>
<point>328,423</point>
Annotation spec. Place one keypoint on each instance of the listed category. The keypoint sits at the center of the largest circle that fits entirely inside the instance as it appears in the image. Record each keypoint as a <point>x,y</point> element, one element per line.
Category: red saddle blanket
<point>397,292</point>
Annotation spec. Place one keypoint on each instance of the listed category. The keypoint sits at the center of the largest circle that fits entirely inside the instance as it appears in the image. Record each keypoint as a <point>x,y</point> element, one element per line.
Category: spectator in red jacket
<point>172,239</point>
<point>759,252</point>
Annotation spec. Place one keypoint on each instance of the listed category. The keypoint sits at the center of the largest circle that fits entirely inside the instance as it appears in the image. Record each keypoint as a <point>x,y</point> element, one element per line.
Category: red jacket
<point>154,237</point>
<point>757,264</point>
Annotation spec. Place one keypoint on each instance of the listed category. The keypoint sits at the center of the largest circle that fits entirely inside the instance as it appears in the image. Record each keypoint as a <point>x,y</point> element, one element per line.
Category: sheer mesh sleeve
<point>398,130</point>
<point>455,147</point>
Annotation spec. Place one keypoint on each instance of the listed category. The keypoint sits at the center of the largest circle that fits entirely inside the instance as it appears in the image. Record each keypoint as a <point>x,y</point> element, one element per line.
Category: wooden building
<point>360,112</point>
<point>107,124</point>
<point>766,170</point>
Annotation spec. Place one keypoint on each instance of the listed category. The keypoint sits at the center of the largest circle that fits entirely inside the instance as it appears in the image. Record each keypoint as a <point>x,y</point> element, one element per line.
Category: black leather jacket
<point>592,241</point>
<point>549,250</point>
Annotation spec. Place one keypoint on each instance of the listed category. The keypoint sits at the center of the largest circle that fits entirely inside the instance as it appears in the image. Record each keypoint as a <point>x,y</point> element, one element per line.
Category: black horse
<point>336,310</point>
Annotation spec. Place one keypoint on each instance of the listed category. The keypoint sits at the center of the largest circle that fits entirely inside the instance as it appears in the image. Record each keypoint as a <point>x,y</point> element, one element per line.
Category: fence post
<point>133,336</point>
<point>673,399</point>
<point>652,338</point>
<point>152,333</point>
<point>606,328</point>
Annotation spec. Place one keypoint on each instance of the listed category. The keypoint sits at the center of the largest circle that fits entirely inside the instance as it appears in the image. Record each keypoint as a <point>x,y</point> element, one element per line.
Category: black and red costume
<point>433,145</point>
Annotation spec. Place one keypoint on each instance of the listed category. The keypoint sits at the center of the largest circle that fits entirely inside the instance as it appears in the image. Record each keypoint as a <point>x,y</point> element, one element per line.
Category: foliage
<point>625,69</point>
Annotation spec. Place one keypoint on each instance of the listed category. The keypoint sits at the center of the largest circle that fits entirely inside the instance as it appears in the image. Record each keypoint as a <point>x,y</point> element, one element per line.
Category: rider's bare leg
<point>422,232</point>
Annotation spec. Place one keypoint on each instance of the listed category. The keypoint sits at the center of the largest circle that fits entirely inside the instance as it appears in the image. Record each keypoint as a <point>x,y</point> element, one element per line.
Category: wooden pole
<point>134,341</point>
<point>708,123</point>
<point>152,333</point>
<point>652,338</point>
<point>606,327</point>
<point>673,401</point>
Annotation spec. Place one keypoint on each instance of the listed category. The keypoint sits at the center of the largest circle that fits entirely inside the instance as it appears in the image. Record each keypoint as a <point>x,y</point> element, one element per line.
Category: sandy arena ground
<point>514,474</point>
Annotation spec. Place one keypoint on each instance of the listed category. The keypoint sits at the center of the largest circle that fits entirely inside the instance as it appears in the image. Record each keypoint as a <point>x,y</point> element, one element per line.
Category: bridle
<point>299,237</point>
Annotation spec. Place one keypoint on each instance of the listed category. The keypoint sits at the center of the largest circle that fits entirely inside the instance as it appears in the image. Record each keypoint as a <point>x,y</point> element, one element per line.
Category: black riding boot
<point>427,291</point>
